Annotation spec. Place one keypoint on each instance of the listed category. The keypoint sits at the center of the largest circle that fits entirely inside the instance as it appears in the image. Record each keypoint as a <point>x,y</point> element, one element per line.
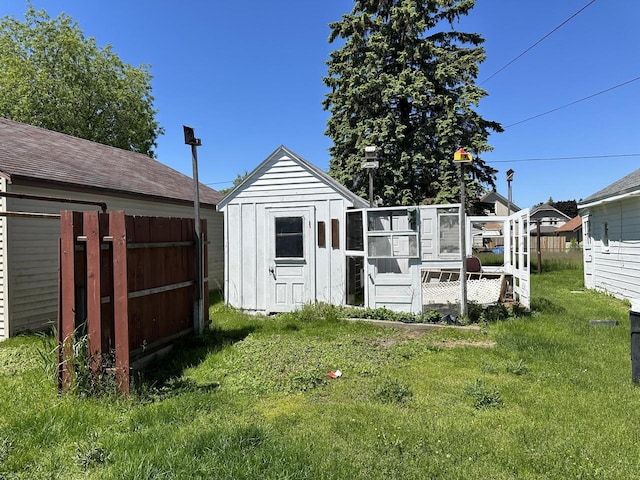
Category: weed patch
<point>393,391</point>
<point>517,368</point>
<point>483,396</point>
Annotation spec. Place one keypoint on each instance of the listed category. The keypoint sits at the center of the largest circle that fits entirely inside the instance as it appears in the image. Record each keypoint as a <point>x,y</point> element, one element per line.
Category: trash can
<point>634,317</point>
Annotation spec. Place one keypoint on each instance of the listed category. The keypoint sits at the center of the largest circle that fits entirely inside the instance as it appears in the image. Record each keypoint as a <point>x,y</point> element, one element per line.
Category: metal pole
<point>198,318</point>
<point>463,246</point>
<point>509,206</point>
<point>371,187</point>
<point>199,321</point>
<point>538,247</point>
<point>370,163</point>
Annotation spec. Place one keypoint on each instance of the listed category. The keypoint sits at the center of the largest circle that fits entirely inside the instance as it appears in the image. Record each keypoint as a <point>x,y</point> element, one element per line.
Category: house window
<point>391,234</point>
<point>586,236</point>
<point>355,236</point>
<point>393,245</point>
<point>449,227</point>
<point>289,237</point>
<point>392,265</point>
<point>605,237</point>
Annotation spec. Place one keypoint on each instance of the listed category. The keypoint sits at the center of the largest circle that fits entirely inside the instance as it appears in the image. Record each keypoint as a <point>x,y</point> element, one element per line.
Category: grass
<point>544,396</point>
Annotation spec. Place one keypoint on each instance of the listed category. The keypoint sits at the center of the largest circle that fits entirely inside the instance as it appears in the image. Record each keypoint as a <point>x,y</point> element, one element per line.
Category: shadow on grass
<point>163,376</point>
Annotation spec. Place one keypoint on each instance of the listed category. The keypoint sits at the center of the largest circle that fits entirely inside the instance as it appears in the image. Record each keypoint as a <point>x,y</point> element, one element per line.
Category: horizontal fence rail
<point>129,284</point>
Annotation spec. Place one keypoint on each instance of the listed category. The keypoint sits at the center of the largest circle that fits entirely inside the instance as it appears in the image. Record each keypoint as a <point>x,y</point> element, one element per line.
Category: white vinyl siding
<point>32,250</point>
<point>285,179</point>
<point>615,251</point>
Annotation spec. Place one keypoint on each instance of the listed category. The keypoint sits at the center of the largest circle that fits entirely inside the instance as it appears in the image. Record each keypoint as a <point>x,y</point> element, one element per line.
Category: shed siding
<point>398,292</point>
<point>32,245</point>
<point>616,269</point>
<point>281,183</point>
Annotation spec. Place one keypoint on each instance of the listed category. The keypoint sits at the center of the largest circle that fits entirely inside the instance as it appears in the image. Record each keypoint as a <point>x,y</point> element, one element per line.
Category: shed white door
<point>291,258</point>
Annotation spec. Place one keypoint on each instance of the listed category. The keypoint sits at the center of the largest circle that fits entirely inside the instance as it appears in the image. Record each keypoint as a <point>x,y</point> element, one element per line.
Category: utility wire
<point>577,101</point>
<point>539,41</point>
<point>548,159</point>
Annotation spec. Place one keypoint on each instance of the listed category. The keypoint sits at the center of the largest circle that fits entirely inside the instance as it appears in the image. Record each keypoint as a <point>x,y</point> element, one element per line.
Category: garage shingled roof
<point>29,153</point>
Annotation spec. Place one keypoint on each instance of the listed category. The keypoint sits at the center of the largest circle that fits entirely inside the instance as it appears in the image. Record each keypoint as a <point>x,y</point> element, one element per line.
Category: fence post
<point>117,230</point>
<point>70,226</point>
<point>94,314</point>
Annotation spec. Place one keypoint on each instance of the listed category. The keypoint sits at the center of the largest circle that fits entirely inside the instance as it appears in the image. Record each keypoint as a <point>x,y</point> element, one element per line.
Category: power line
<point>218,183</point>
<point>564,158</point>
<point>577,101</point>
<point>539,41</point>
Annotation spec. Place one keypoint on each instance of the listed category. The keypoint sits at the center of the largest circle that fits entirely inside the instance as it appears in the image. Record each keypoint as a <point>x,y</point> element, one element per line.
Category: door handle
<point>272,271</point>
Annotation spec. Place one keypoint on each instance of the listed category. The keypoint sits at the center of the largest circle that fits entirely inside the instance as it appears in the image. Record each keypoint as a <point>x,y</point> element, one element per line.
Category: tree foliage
<point>240,177</point>
<point>52,76</point>
<point>568,207</point>
<point>404,80</point>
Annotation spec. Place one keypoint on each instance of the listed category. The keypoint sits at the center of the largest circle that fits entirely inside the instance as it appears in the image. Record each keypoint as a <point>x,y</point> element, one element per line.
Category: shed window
<point>322,235</point>
<point>449,225</point>
<point>605,237</point>
<point>289,237</point>
<point>335,233</point>
<point>355,237</point>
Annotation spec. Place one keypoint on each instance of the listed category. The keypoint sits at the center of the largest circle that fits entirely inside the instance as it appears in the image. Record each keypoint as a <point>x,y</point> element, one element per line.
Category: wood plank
<point>117,230</point>
<point>94,305</point>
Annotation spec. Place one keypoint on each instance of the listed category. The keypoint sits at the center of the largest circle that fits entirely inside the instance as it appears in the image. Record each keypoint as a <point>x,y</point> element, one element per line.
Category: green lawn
<point>547,396</point>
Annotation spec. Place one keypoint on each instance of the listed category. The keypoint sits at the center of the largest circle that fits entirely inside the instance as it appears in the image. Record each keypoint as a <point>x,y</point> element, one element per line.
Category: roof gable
<point>495,197</point>
<point>283,154</point>
<point>546,210</point>
<point>29,154</point>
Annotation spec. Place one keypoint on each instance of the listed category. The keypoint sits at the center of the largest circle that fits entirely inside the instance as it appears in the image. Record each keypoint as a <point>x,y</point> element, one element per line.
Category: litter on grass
<point>336,374</point>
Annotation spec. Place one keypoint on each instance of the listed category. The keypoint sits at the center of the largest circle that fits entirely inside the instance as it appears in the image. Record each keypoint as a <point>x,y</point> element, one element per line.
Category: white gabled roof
<point>281,151</point>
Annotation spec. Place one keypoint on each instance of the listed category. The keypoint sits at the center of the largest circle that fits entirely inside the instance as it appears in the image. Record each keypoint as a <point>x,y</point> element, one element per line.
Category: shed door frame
<point>520,251</point>
<point>587,251</point>
<point>290,273</point>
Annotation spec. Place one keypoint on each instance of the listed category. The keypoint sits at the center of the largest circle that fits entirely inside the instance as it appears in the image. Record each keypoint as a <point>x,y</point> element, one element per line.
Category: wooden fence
<point>129,284</point>
<point>551,244</point>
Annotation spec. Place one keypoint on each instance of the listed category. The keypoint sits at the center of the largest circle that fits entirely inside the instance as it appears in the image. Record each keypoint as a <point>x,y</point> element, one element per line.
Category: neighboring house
<point>548,217</point>
<point>571,231</point>
<point>498,205</point>
<point>611,245</point>
<point>293,236</point>
<point>35,161</point>
<point>490,235</point>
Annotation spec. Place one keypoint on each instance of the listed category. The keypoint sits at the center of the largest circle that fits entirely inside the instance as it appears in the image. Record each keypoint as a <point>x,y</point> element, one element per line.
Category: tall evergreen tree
<point>403,81</point>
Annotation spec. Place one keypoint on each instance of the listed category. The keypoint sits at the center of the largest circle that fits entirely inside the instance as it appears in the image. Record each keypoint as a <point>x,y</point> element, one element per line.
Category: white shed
<point>293,235</point>
<point>39,162</point>
<point>611,238</point>
<point>285,236</point>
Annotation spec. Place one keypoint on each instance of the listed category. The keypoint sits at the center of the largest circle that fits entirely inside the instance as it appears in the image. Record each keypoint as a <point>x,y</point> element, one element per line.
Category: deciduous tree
<point>403,80</point>
<point>53,77</point>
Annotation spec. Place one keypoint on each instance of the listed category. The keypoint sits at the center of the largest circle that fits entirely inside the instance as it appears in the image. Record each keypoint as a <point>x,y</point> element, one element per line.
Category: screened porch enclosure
<point>409,258</point>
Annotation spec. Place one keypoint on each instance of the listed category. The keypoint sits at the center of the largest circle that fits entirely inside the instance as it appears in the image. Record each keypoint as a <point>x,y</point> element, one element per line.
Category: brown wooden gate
<point>129,283</point>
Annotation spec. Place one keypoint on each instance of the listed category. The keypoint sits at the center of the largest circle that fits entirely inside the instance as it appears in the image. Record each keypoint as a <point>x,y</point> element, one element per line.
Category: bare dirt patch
<point>465,343</point>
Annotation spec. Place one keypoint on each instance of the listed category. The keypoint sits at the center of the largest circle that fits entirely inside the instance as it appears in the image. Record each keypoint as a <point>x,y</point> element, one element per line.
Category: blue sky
<point>248,77</point>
